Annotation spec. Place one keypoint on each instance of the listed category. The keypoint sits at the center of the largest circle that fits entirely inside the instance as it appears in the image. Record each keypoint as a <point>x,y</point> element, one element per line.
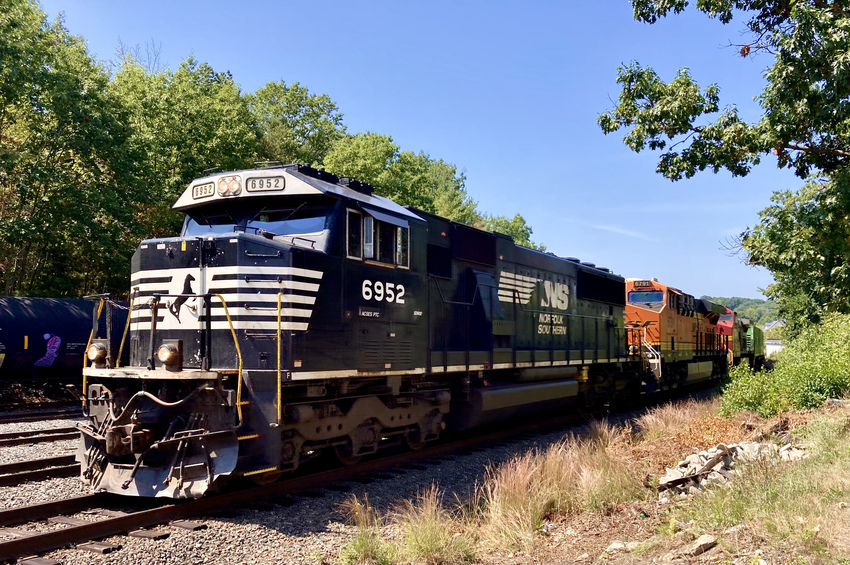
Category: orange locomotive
<point>674,333</point>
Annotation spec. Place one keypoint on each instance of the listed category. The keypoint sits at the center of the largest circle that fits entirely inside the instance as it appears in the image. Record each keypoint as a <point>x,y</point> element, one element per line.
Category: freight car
<point>298,313</point>
<point>44,339</point>
<point>745,340</point>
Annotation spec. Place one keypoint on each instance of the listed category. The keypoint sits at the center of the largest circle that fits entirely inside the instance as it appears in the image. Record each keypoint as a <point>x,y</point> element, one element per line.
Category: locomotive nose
<point>154,448</point>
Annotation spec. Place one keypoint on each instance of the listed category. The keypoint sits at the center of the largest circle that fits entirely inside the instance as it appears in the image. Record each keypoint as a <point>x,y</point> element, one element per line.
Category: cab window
<point>376,240</point>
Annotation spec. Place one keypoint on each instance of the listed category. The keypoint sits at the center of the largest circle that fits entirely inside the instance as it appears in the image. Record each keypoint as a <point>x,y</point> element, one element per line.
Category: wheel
<point>344,455</point>
<point>413,439</point>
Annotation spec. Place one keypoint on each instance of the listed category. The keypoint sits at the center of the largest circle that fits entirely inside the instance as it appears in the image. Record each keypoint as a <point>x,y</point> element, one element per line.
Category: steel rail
<point>38,470</point>
<point>39,436</point>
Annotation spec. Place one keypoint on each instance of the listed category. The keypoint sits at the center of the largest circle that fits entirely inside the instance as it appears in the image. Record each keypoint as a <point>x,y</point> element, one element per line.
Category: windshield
<point>294,218</point>
<point>645,296</point>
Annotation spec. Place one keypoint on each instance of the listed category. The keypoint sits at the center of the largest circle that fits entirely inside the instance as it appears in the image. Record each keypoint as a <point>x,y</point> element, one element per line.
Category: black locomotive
<point>298,312</point>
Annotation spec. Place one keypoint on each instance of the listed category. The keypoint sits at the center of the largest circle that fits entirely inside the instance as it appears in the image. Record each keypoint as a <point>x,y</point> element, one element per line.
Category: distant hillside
<point>760,311</point>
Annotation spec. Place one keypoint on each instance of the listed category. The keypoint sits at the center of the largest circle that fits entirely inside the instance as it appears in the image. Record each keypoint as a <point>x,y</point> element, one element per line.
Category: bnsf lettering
<point>379,291</point>
<point>557,295</point>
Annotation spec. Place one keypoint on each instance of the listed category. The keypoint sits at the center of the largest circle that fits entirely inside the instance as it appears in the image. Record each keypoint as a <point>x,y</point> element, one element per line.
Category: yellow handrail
<point>86,353</point>
<point>279,295</point>
<point>238,355</point>
<point>124,336</point>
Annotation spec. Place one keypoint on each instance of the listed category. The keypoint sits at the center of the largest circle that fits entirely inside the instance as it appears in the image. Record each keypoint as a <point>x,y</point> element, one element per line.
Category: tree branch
<point>818,150</point>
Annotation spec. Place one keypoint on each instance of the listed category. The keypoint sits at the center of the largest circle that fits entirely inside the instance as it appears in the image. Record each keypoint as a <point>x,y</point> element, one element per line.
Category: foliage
<point>757,310</point>
<point>804,238</point>
<point>813,367</point>
<point>419,181</point>
<point>296,126</point>
<point>183,122</point>
<point>515,227</point>
<point>65,164</point>
<point>805,122</point>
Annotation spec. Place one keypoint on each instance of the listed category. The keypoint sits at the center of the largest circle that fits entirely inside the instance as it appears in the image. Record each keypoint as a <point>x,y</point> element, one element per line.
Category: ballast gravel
<point>27,451</point>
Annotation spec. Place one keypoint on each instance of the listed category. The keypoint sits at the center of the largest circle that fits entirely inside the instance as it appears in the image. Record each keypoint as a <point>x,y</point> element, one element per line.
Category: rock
<point>721,447</point>
<point>684,536</point>
<point>616,546</point>
<point>631,546</point>
<point>692,490</point>
<point>583,557</point>
<point>699,545</point>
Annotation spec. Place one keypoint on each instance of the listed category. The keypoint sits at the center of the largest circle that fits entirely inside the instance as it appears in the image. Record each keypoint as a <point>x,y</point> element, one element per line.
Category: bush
<point>813,367</point>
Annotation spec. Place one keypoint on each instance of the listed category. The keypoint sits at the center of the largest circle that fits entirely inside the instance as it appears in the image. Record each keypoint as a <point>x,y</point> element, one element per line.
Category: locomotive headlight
<point>229,186</point>
<point>96,352</point>
<point>170,354</point>
<point>167,354</point>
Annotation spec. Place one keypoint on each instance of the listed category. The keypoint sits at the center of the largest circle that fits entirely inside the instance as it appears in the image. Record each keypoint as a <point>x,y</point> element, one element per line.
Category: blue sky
<point>507,92</point>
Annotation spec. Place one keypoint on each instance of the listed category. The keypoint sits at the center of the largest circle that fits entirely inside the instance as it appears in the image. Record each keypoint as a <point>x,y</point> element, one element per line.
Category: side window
<point>354,245</point>
<point>368,237</point>
<point>402,253</point>
<point>377,240</point>
<point>386,242</point>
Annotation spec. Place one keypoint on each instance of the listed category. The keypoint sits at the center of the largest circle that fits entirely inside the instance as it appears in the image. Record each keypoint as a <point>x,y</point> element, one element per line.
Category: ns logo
<point>556,295</point>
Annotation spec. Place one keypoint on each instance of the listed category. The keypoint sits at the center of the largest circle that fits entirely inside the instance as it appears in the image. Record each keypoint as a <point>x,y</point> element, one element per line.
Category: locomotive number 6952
<point>379,291</point>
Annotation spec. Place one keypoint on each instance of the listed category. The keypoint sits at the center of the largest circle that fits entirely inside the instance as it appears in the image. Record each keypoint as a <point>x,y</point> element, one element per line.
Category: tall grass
<point>565,479</point>
<point>367,547</point>
<point>431,534</point>
<point>813,367</point>
<point>667,419</point>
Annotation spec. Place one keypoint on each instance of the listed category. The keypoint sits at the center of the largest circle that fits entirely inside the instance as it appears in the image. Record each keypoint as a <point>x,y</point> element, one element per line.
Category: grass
<point>431,533</point>
<point>797,504</point>
<point>570,477</point>
<point>367,547</point>
<point>672,417</point>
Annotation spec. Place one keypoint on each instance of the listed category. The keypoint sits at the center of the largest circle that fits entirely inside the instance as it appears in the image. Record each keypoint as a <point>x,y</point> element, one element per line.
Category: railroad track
<point>39,414</point>
<point>38,470</point>
<point>38,436</point>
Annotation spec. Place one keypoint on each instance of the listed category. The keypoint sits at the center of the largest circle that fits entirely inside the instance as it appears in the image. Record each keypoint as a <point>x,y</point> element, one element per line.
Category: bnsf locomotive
<point>299,313</point>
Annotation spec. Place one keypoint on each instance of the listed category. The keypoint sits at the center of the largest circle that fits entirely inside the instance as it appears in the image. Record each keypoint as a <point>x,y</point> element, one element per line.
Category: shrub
<point>813,367</point>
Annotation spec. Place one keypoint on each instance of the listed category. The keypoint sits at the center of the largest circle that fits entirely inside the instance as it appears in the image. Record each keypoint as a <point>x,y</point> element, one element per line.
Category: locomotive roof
<point>296,180</point>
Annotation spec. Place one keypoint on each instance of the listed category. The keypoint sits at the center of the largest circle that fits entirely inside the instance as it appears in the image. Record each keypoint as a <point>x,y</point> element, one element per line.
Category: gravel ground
<point>25,452</point>
<point>311,530</point>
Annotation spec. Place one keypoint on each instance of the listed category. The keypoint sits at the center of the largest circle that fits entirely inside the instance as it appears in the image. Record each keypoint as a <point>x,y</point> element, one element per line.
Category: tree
<point>407,178</point>
<point>515,227</point>
<point>66,183</point>
<point>183,122</point>
<point>296,126</point>
<point>805,123</point>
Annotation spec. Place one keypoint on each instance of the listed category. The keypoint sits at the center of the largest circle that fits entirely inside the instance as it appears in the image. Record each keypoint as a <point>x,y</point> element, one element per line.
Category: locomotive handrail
<point>279,300</point>
<point>85,351</point>
<point>238,356</point>
<point>126,329</point>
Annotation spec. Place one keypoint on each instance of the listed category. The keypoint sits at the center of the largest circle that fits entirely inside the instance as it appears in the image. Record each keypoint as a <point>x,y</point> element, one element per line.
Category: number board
<point>203,190</point>
<point>263,184</point>
<point>639,284</point>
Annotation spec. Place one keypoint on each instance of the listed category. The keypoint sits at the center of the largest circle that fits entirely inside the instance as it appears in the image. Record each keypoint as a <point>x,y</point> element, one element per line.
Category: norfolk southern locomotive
<point>299,313</point>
